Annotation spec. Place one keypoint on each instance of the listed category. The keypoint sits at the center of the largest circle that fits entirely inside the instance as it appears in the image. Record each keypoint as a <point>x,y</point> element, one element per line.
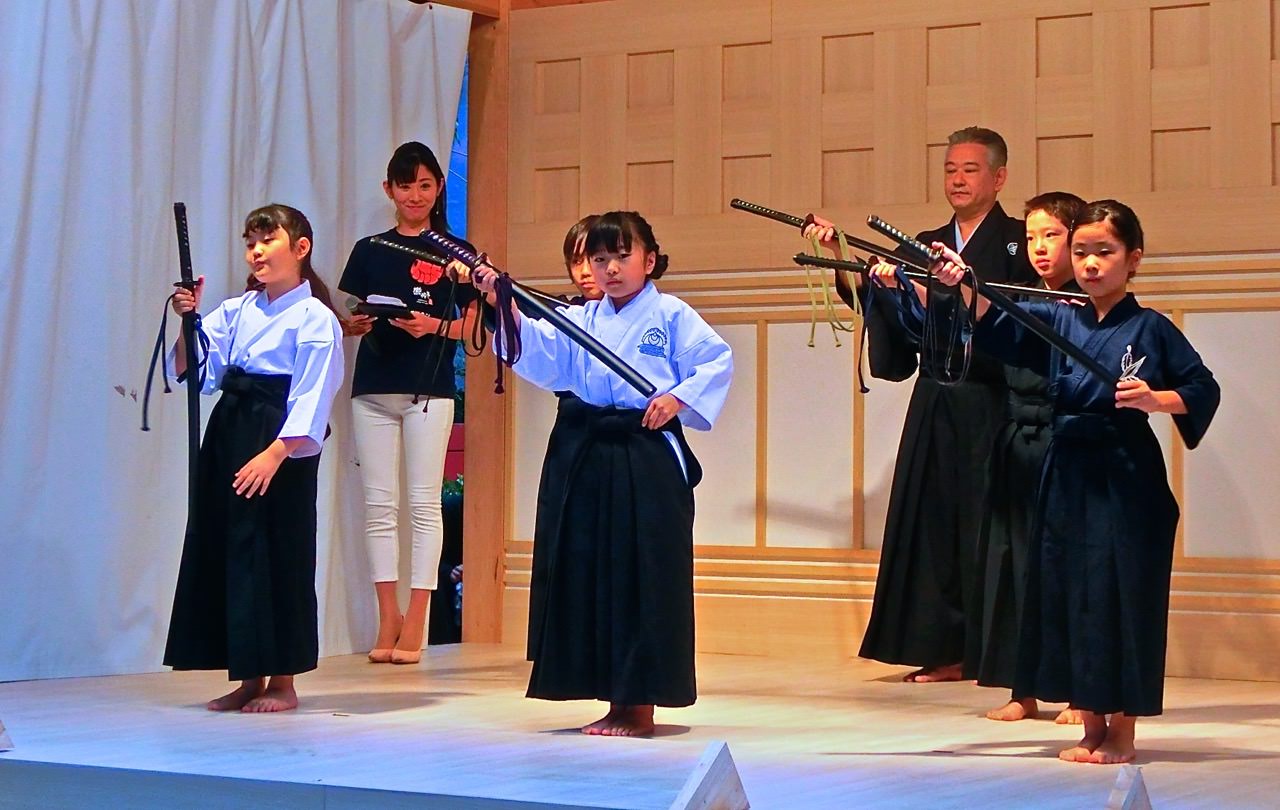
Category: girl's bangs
<point>608,234</point>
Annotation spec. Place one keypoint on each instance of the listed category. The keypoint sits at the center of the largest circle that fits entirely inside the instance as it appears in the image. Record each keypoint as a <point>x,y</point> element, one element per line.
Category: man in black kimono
<point>936,501</point>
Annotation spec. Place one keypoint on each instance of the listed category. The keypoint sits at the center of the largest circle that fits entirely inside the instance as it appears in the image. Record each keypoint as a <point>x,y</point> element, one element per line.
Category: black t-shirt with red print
<point>390,360</point>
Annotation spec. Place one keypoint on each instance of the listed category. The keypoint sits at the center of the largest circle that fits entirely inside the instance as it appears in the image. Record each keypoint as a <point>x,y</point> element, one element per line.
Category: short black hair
<point>997,149</point>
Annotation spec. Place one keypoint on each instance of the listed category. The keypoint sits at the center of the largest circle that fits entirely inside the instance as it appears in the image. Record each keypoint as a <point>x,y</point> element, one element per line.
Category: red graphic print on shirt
<point>425,272</point>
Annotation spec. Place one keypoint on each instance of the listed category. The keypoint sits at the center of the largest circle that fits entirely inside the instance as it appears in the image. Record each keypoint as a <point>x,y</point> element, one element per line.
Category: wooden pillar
<point>487,466</point>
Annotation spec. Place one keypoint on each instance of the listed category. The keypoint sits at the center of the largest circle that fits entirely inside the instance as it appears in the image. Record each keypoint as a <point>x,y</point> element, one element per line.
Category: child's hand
<point>255,476</point>
<point>185,300</point>
<point>485,279</point>
<point>1138,395</point>
<point>417,324</point>
<point>949,268</point>
<point>357,325</point>
<point>823,229</point>
<point>660,411</point>
<point>458,270</point>
<point>885,273</point>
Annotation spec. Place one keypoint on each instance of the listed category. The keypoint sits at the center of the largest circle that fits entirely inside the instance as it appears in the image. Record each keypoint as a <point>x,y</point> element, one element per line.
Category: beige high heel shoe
<point>399,656</point>
<point>405,657</point>
<point>384,655</point>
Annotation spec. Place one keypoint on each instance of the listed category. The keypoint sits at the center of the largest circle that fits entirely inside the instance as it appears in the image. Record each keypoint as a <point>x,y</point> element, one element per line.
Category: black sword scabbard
<point>923,253</point>
<point>193,376</point>
<point>557,319</point>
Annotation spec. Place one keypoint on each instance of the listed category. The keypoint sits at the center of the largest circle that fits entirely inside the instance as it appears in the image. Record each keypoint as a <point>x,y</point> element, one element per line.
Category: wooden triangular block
<point>714,783</point>
<point>6,744</point>
<point>1130,791</point>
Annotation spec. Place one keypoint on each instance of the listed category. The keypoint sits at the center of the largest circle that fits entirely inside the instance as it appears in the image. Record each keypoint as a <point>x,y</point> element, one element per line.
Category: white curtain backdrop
<point>111,110</point>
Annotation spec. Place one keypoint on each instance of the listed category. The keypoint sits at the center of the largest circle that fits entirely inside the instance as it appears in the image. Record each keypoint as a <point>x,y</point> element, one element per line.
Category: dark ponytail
<point>615,232</point>
<point>269,217</point>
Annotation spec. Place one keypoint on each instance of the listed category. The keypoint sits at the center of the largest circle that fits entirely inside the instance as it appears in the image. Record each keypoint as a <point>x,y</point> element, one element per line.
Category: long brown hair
<point>276,215</point>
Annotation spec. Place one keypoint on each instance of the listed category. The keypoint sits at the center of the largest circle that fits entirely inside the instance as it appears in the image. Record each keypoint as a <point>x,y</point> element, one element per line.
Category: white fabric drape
<point>111,110</point>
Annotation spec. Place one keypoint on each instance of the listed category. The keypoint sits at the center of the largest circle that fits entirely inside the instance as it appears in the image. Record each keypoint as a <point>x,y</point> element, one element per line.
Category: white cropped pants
<point>383,424</point>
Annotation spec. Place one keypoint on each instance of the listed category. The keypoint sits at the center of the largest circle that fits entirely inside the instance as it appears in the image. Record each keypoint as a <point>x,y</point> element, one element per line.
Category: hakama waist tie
<point>238,384</point>
<point>1030,413</point>
<point>610,422</point>
<point>1109,426</point>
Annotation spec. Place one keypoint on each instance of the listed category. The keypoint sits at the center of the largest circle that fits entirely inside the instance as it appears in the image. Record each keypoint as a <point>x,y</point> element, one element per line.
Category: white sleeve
<point>547,355</point>
<point>705,369</point>
<point>216,327</point>
<point>317,376</point>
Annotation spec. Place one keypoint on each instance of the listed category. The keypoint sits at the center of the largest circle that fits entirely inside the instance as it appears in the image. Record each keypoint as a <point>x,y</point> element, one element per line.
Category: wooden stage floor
<point>803,735</point>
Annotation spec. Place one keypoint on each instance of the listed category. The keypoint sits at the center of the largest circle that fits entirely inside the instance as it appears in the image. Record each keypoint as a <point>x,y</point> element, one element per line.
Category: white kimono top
<point>294,335</point>
<point>658,335</point>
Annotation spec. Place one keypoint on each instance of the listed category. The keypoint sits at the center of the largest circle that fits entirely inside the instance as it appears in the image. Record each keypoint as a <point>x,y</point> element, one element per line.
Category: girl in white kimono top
<point>245,599</point>
<point>615,609</point>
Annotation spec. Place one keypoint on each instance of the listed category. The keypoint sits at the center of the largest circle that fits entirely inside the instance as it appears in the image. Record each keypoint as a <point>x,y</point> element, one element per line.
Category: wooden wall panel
<point>1065,164</point>
<point>746,95</point>
<point>1177,159</point>
<point>1122,101</point>
<point>1240,96</point>
<point>900,137</point>
<point>697,155</point>
<point>843,107</point>
<point>651,187</point>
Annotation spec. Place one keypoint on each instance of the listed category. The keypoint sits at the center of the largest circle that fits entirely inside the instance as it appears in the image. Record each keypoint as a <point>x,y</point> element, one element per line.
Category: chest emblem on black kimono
<point>653,343</point>
<point>1128,366</point>
<point>1012,247</point>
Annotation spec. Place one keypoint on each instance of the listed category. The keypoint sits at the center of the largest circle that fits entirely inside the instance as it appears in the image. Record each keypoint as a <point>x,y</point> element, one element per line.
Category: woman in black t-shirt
<point>403,392</point>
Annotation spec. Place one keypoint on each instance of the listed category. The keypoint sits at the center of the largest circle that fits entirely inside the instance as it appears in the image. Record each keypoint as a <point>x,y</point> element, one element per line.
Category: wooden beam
<point>492,9</point>
<point>487,468</point>
<point>519,5</point>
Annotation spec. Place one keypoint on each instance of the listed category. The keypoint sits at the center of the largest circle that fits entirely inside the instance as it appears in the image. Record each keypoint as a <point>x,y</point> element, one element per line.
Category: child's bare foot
<point>1068,717</point>
<point>600,725</point>
<point>1095,733</point>
<point>1015,710</point>
<point>1118,747</point>
<point>238,697</point>
<point>631,721</point>
<point>950,672</point>
<point>279,696</point>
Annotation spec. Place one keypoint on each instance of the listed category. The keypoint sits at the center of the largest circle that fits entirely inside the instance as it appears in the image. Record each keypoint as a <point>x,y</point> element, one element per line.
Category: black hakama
<point>1004,541</point>
<point>614,595</point>
<point>1005,538</point>
<point>555,471</point>
<point>927,561</point>
<point>1097,605</point>
<point>935,511</point>
<point>246,599</point>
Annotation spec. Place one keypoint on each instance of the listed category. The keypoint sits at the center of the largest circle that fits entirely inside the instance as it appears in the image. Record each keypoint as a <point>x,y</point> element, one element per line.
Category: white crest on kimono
<point>653,343</point>
<point>1012,247</point>
<point>1128,366</point>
